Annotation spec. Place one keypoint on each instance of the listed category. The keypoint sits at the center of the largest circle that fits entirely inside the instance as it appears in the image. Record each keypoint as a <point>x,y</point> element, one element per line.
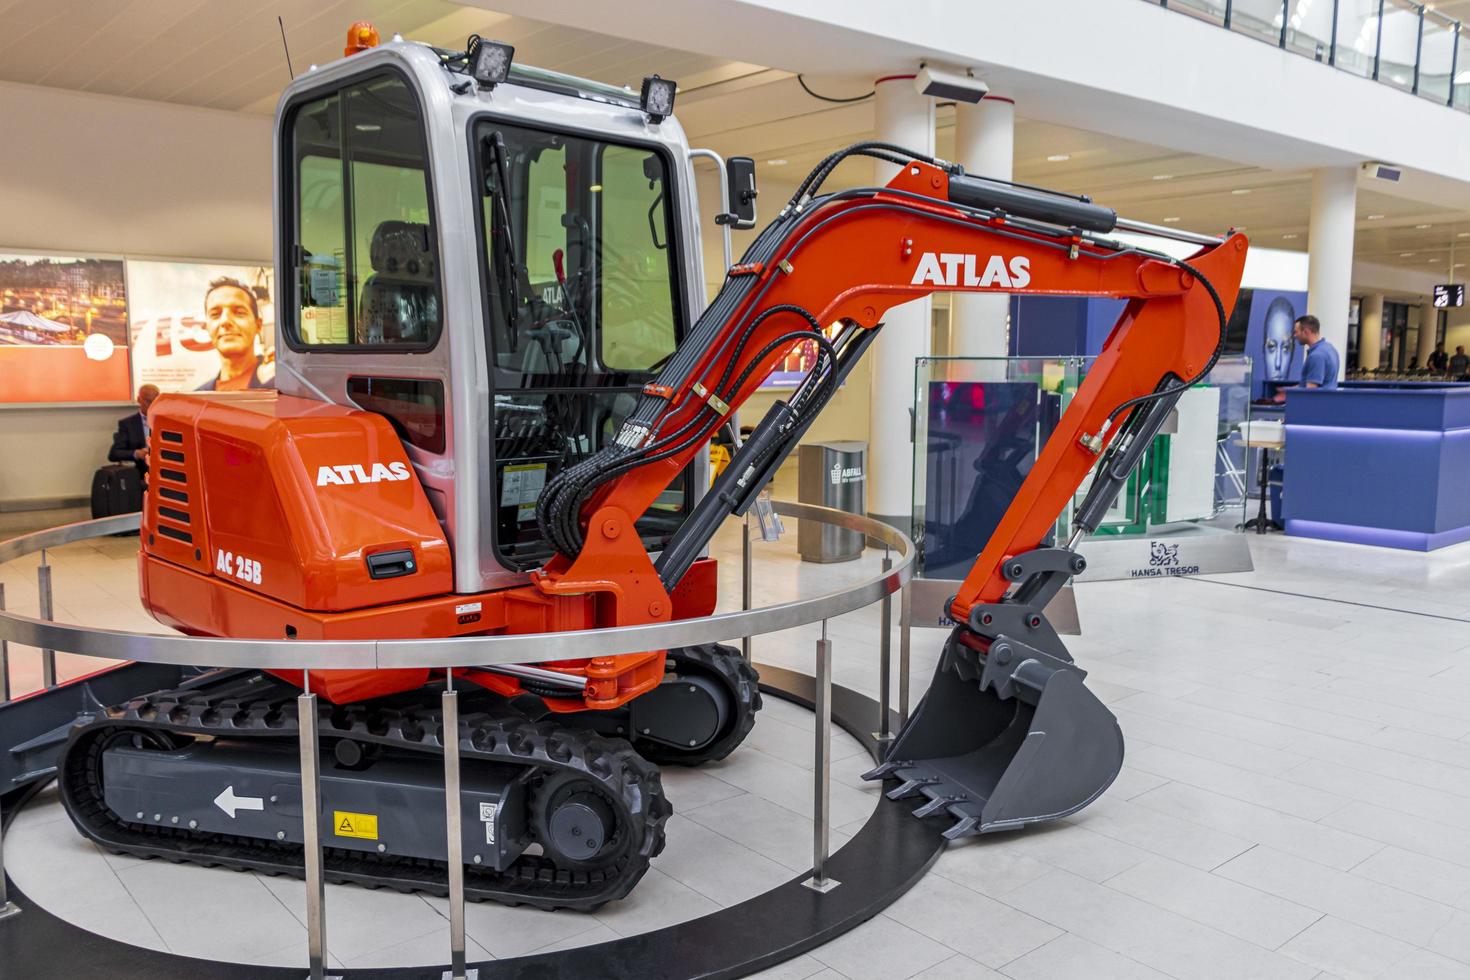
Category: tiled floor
<point>1293,803</point>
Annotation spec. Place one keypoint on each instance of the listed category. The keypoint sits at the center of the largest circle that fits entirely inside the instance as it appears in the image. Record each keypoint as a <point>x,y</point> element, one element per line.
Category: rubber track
<point>248,704</point>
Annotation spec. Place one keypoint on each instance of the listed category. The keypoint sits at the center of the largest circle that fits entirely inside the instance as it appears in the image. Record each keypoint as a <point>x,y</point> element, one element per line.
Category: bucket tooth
<point>910,787</point>
<point>884,770</point>
<point>963,827</point>
<point>937,804</point>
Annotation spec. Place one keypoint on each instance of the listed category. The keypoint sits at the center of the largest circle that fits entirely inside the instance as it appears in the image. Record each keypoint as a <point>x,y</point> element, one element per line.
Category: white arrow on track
<point>230,803</point>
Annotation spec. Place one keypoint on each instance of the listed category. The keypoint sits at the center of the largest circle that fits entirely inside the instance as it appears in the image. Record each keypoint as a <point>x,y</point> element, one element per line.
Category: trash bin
<point>832,474</point>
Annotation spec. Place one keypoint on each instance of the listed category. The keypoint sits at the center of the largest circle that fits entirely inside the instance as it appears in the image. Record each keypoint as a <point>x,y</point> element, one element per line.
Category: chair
<point>400,301</point>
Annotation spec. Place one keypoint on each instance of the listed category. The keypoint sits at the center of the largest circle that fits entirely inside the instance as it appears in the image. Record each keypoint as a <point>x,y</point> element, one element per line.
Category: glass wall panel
<point>1258,18</point>
<point>1436,56</point>
<point>1462,71</point>
<point>1309,28</point>
<point>1357,35</point>
<point>1400,44</point>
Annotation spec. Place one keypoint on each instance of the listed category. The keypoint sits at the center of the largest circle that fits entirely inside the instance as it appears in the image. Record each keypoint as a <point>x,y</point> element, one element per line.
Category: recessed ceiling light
<point>1163,177</point>
<point>1463,234</point>
<point>1171,220</point>
<point>1059,157</point>
<point>776,163</point>
<point>1375,217</point>
<point>1406,255</point>
<point>1241,228</point>
<point>1422,227</point>
<point>1241,190</point>
<point>1288,236</point>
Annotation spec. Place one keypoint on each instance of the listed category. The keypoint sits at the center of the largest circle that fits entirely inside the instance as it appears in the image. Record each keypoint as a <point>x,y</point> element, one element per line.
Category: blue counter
<point>1383,464</point>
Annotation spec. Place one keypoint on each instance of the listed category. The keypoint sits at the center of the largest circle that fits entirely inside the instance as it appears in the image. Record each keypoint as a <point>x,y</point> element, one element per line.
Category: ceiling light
<point>776,163</point>
<point>1375,217</point>
<point>1163,177</point>
<point>1171,220</point>
<point>1059,157</point>
<point>1240,228</point>
<point>1241,190</point>
<point>1288,236</point>
<point>1422,227</point>
<point>1405,255</point>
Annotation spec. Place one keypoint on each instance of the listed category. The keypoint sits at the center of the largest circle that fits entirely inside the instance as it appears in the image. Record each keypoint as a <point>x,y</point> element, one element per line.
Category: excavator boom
<point>1008,733</point>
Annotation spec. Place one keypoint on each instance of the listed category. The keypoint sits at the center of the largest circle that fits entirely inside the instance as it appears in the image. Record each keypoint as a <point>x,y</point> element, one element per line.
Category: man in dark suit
<point>130,441</point>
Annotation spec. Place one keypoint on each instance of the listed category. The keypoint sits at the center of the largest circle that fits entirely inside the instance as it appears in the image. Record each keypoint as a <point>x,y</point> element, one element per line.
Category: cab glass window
<point>366,263</point>
<point>580,259</point>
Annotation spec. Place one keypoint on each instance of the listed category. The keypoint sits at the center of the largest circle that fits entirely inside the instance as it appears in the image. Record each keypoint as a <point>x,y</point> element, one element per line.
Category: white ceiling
<point>228,55</point>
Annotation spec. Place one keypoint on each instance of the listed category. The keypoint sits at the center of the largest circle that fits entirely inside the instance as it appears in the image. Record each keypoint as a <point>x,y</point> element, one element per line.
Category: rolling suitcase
<point>116,489</point>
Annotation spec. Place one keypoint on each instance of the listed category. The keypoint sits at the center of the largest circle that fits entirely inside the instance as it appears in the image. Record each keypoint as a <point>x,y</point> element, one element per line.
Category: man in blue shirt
<point>1320,369</point>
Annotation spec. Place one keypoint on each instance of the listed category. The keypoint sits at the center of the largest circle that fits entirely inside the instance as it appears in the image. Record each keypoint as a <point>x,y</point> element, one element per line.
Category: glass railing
<point>1408,45</point>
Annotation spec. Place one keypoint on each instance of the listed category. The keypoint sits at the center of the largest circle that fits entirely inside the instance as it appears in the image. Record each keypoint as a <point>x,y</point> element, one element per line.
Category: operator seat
<point>400,300</point>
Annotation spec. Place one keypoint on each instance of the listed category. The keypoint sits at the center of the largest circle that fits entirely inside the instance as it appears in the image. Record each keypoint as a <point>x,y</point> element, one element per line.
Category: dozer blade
<point>1004,739</point>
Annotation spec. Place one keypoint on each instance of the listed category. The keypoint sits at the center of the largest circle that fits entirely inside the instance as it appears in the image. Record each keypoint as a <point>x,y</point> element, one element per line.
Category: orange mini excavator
<point>494,399</point>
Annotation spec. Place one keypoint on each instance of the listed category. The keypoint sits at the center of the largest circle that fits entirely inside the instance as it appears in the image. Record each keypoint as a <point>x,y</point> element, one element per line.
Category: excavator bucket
<point>1004,738</point>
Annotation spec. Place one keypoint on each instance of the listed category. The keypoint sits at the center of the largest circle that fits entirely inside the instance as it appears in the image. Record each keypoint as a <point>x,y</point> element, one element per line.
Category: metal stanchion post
<point>885,645</point>
<point>453,820</point>
<point>822,777</point>
<point>4,664</point>
<point>7,907</point>
<point>311,815</point>
<point>904,614</point>
<point>43,586</point>
<point>745,579</point>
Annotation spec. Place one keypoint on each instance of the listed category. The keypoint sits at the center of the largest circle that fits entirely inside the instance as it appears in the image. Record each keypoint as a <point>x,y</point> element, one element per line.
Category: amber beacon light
<point>360,37</point>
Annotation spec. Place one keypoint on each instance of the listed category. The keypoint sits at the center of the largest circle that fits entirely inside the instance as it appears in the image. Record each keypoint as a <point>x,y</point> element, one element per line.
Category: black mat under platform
<point>880,863</point>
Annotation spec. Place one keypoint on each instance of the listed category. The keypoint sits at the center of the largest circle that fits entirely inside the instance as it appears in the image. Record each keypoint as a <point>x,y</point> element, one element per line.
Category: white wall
<point>108,176</point>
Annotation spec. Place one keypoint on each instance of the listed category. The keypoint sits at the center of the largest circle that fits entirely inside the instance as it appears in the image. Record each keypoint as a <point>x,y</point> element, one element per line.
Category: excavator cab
<point>496,270</point>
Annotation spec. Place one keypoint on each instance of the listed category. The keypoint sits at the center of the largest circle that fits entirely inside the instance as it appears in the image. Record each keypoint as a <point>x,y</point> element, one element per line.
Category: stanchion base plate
<point>824,886</point>
<point>468,975</point>
<point>9,909</point>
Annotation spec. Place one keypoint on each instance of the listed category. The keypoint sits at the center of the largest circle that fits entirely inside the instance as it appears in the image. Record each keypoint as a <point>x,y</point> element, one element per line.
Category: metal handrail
<point>453,652</point>
<point>458,651</point>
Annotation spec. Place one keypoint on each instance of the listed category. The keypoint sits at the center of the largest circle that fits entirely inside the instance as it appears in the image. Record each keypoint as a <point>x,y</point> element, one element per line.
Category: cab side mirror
<point>740,178</point>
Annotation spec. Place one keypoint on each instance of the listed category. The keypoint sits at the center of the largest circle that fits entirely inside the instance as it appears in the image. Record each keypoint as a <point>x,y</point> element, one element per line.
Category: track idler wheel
<point>711,698</point>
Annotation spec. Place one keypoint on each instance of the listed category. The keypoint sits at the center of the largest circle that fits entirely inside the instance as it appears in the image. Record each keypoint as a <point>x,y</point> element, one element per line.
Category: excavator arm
<point>844,260</point>
<point>1007,733</point>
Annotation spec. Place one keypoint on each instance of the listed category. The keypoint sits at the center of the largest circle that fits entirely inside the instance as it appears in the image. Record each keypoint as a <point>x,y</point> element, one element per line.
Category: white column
<point>906,118</point>
<point>1370,332</point>
<point>1428,324</point>
<point>985,138</point>
<point>1330,244</point>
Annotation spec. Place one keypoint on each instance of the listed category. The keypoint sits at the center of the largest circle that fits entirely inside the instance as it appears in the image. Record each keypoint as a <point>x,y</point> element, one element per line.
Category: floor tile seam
<point>397,942</point>
<point>1205,731</point>
<point>717,831</point>
<point>1449,909</point>
<point>1344,801</point>
<point>1219,933</point>
<point>1462,798</point>
<point>1281,948</point>
<point>1380,845</point>
<point>923,935</point>
<point>144,912</point>
<point>557,942</point>
<point>1397,813</point>
<point>1429,947</point>
<point>1321,598</point>
<point>1159,854</point>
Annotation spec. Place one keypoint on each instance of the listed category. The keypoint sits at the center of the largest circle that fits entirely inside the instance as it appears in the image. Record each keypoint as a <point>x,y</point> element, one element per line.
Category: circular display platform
<point>724,899</point>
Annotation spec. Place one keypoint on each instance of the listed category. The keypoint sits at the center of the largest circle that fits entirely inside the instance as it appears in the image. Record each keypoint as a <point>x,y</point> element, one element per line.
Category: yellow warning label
<point>360,825</point>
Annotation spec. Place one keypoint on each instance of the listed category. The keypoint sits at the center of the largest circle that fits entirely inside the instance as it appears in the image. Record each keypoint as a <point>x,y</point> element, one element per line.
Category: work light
<point>490,62</point>
<point>658,97</point>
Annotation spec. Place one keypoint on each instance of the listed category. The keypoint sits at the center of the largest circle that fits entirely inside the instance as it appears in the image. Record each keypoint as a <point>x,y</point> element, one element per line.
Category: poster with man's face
<point>201,326</point>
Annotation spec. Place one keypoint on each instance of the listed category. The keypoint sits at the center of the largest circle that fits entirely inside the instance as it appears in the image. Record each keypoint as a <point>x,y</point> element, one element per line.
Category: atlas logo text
<point>958,269</point>
<point>358,473</point>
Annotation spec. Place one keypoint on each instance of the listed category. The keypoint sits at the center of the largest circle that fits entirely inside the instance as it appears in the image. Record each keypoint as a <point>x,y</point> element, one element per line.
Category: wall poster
<point>198,326</point>
<point>63,329</point>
